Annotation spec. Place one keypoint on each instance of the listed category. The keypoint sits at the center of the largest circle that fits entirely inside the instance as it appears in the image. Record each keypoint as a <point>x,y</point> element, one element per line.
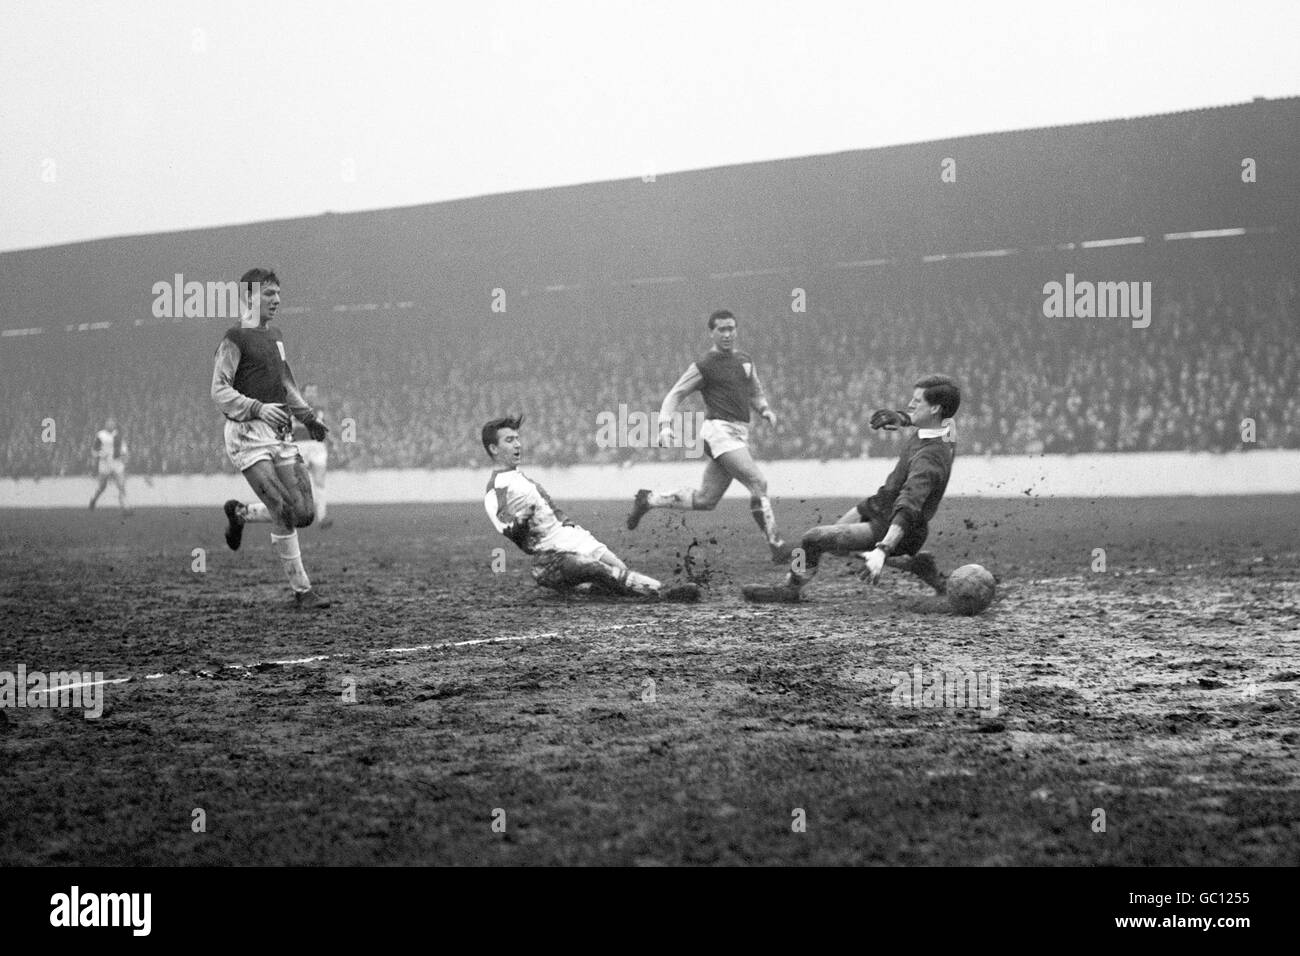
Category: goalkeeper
<point>565,555</point>
<point>891,525</point>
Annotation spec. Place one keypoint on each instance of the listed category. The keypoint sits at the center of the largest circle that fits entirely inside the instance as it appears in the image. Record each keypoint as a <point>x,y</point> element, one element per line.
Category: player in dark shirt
<point>728,382</point>
<point>254,388</point>
<point>891,525</point>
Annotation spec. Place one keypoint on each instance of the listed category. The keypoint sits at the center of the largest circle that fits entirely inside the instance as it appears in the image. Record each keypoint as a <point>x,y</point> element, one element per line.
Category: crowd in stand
<point>1215,353</point>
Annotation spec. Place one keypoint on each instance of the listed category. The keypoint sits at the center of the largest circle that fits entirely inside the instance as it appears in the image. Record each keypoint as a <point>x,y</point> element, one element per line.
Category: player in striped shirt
<point>728,382</point>
<point>109,454</point>
<point>565,555</point>
<point>255,390</point>
<point>892,524</point>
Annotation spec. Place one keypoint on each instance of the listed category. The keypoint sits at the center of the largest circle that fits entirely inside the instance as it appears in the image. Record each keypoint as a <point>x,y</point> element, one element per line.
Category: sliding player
<point>109,455</point>
<point>729,384</point>
<point>255,390</point>
<point>891,525</point>
<point>564,554</point>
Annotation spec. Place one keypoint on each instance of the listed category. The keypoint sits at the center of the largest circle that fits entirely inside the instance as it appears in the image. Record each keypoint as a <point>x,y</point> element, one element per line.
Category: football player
<point>254,388</point>
<point>565,555</point>
<point>729,384</point>
<point>891,525</point>
<point>108,453</point>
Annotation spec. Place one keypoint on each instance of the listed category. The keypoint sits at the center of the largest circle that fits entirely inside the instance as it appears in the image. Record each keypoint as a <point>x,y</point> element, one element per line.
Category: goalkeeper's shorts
<point>249,442</point>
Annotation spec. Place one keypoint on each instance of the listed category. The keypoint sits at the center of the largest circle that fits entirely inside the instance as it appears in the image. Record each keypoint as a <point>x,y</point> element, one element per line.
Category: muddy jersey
<point>521,510</point>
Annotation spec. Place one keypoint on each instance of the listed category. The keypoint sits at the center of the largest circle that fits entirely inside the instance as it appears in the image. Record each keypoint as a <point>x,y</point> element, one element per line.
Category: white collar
<point>947,431</point>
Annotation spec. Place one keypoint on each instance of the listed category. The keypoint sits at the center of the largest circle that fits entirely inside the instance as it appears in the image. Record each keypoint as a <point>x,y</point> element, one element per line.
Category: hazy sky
<point>154,115</point>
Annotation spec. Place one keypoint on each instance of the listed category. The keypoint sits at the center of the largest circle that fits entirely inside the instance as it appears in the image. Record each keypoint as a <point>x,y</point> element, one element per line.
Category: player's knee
<point>705,500</point>
<point>304,515</point>
<point>757,486</point>
<point>815,541</point>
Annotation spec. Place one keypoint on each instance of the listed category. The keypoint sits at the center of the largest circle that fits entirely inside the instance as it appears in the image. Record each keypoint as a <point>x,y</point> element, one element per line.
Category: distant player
<point>108,454</point>
<point>315,455</point>
<point>255,390</point>
<point>892,524</point>
<point>728,382</point>
<point>565,555</point>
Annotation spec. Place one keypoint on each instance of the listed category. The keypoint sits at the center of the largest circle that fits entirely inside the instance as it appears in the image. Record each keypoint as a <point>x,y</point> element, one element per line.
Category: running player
<point>728,382</point>
<point>315,455</point>
<point>891,525</point>
<point>108,453</point>
<point>565,555</point>
<point>255,390</point>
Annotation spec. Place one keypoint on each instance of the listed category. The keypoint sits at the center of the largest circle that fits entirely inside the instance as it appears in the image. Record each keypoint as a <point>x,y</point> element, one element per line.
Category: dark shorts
<point>913,538</point>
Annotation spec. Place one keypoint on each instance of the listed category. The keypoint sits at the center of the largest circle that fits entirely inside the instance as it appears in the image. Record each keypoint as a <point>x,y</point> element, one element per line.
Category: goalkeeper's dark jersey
<point>911,494</point>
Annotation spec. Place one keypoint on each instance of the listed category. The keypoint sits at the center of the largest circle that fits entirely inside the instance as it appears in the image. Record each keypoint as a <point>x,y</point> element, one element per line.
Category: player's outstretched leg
<point>712,488</point>
<point>94,500</point>
<point>823,539</point>
<point>740,465</point>
<point>923,565</point>
<point>563,570</point>
<point>120,480</point>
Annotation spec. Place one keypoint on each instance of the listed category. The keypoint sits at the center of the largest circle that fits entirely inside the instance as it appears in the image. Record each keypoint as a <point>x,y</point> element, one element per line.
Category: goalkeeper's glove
<point>665,435</point>
<point>875,564</point>
<point>889,419</point>
<point>316,427</point>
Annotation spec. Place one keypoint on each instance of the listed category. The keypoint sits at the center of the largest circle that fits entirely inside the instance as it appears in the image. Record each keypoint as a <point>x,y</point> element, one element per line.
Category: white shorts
<point>112,468</point>
<point>574,539</point>
<point>721,436</point>
<point>314,454</point>
<point>247,443</point>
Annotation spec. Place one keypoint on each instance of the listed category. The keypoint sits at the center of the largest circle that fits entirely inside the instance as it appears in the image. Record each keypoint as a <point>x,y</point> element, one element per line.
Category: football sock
<point>638,583</point>
<point>256,512</point>
<point>683,500</point>
<point>760,506</point>
<point>318,495</point>
<point>286,545</point>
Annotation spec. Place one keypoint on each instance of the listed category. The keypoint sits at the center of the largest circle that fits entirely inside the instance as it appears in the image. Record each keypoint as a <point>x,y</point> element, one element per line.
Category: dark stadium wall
<point>1148,175</point>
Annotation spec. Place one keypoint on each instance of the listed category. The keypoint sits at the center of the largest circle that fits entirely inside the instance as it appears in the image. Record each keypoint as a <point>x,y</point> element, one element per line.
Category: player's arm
<point>758,399</point>
<point>882,502</point>
<point>234,404</point>
<point>922,476</point>
<point>298,407</point>
<point>512,518</point>
<point>890,420</point>
<point>690,381</point>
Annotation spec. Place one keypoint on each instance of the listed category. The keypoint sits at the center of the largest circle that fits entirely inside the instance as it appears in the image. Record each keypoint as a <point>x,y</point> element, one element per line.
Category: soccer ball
<point>970,589</point>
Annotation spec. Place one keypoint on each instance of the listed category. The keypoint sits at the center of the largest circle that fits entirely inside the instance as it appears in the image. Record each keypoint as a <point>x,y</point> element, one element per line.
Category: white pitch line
<point>386,650</point>
<point>87,683</point>
<point>436,647</point>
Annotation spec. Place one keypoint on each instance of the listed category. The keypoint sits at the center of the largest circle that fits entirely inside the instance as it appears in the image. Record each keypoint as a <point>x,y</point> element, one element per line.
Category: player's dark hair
<point>262,276</point>
<point>491,428</point>
<point>718,316</point>
<point>942,391</point>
